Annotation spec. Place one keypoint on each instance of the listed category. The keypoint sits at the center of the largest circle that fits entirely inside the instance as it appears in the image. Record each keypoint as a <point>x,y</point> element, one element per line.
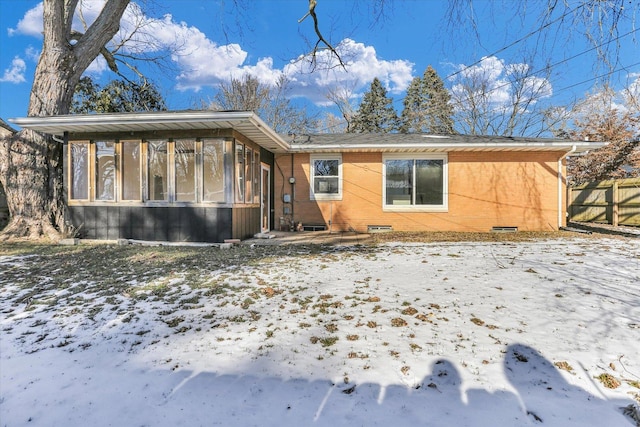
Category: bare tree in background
<point>500,99</point>
<point>271,103</point>
<point>342,98</point>
<point>610,117</point>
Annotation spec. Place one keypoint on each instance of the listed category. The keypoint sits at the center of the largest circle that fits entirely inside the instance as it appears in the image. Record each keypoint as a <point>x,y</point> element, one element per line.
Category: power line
<point>521,39</point>
<point>549,67</point>
<point>567,60</point>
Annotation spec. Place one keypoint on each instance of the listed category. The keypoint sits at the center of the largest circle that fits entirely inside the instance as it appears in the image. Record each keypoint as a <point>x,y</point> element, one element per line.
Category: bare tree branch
<point>321,39</point>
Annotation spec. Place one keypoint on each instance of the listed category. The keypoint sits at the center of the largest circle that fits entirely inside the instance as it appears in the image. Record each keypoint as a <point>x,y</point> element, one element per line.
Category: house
<point>419,182</point>
<point>211,176</point>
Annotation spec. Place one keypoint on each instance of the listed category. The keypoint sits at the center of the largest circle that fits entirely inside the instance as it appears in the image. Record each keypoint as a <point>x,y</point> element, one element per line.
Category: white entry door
<point>265,198</point>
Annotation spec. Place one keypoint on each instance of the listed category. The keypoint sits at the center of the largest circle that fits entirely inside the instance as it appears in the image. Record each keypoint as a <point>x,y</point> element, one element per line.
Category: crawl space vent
<point>503,229</point>
<point>378,228</point>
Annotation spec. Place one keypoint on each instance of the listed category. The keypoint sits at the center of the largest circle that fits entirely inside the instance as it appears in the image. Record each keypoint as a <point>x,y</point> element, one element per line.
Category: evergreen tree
<point>427,107</point>
<point>376,112</point>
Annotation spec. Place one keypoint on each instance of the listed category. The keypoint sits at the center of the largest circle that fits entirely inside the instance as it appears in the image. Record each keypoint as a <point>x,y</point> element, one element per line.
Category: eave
<point>245,122</point>
<point>577,147</point>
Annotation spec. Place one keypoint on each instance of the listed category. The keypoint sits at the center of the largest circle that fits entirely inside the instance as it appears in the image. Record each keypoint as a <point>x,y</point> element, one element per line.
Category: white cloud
<point>15,74</point>
<point>31,24</point>
<point>202,62</point>
<point>32,53</point>
<point>362,66</point>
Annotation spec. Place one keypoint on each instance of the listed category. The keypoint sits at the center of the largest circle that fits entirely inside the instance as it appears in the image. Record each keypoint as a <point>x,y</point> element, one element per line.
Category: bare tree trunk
<point>31,163</point>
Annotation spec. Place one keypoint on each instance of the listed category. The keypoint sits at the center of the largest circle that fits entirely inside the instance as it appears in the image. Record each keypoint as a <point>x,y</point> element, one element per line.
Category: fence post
<point>614,216</point>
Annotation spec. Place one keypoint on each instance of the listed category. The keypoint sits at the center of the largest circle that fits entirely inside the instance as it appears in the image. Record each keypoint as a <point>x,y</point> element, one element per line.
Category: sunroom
<point>198,176</point>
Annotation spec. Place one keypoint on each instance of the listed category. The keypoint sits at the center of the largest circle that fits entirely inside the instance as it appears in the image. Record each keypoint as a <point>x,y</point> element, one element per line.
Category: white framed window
<point>415,182</point>
<point>325,177</point>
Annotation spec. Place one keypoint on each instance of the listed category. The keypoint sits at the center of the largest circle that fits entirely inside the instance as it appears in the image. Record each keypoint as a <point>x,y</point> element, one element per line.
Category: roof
<point>397,142</point>
<point>251,126</point>
<point>245,122</point>
<point>4,125</point>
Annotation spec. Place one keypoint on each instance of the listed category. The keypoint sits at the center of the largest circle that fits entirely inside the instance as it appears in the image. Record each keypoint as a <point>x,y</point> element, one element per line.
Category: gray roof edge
<point>153,117</point>
<point>551,145</point>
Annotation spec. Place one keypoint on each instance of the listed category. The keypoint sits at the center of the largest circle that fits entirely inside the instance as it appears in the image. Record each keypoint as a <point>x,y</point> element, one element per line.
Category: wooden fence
<point>615,202</point>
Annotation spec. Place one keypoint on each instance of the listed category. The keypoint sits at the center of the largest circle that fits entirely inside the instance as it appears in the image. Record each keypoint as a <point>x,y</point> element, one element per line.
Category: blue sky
<point>264,38</point>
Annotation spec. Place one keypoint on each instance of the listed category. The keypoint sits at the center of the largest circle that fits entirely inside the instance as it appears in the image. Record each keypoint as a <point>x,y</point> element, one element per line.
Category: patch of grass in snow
<point>324,341</point>
<point>398,322</point>
<point>608,380</point>
<point>564,366</point>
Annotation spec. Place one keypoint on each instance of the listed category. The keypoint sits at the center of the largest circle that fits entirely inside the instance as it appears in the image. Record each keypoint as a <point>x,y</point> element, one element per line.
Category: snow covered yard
<point>543,332</point>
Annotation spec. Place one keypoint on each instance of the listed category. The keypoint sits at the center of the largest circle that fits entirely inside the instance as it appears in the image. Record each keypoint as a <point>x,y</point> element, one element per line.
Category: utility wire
<point>567,60</point>
<point>521,39</point>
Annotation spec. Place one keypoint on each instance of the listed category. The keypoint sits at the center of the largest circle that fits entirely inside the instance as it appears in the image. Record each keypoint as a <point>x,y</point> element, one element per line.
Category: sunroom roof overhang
<point>244,122</point>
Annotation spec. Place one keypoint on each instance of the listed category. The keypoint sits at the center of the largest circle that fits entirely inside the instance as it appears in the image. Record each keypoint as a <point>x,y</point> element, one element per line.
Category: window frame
<point>443,207</point>
<point>91,168</point>
<point>312,177</point>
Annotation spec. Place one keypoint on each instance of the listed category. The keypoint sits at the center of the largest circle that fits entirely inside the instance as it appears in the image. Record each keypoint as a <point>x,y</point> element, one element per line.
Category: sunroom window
<point>155,171</point>
<point>185,161</point>
<point>326,177</point>
<point>415,182</point>
<point>247,174</point>
<point>213,170</point>
<point>105,170</point>
<point>158,174</point>
<point>240,173</point>
<point>130,170</point>
<point>79,170</point>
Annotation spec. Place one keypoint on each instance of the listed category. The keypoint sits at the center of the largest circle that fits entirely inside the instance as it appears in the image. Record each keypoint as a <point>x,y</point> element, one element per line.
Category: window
<point>163,170</point>
<point>105,170</point>
<point>415,182</point>
<point>158,172</point>
<point>130,170</point>
<point>79,170</point>
<point>185,161</point>
<point>240,171</point>
<point>213,170</point>
<point>326,177</point>
<point>257,172</point>
<point>248,175</point>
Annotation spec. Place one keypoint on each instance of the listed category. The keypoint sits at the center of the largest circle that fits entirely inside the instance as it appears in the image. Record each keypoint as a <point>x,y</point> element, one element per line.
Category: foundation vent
<point>378,228</point>
<point>504,229</point>
<point>314,227</point>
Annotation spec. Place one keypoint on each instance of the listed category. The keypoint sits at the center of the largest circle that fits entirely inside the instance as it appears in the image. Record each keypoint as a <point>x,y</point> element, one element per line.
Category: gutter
<point>560,192</point>
<point>445,147</point>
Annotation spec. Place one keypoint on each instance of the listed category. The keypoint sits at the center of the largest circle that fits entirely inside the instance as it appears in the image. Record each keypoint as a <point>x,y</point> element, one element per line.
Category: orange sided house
<point>210,176</point>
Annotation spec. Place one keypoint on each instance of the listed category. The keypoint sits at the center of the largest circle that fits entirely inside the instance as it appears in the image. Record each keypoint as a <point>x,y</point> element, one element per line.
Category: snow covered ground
<point>438,334</point>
